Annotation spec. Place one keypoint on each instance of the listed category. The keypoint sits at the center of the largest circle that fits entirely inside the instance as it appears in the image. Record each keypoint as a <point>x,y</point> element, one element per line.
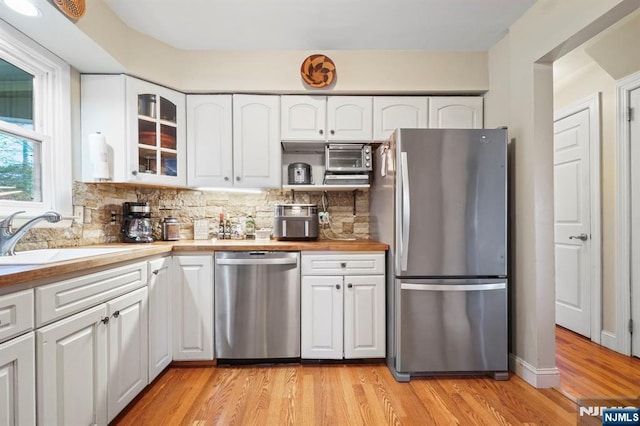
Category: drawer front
<point>16,314</point>
<point>55,301</point>
<point>342,263</point>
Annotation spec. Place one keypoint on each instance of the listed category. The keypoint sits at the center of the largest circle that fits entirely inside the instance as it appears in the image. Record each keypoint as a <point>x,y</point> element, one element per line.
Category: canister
<point>170,229</point>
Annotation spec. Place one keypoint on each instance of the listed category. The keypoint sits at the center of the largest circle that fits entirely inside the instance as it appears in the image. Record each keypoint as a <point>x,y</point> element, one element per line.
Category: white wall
<point>545,32</point>
<point>100,43</point>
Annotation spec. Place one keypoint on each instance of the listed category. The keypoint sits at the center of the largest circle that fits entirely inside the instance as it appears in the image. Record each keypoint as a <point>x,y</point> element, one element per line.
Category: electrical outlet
<point>78,213</point>
<point>323,217</point>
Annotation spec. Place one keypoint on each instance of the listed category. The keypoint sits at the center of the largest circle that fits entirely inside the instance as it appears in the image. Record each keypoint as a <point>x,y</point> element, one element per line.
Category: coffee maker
<point>136,222</point>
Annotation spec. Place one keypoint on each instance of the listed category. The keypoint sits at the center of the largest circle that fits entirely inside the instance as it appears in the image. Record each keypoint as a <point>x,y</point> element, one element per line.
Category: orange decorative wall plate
<point>318,71</point>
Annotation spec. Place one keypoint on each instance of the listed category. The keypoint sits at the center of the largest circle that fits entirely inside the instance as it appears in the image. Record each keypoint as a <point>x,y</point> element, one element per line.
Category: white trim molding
<point>536,377</point>
<point>592,105</point>
<point>609,340</point>
<point>52,117</point>
<point>623,219</point>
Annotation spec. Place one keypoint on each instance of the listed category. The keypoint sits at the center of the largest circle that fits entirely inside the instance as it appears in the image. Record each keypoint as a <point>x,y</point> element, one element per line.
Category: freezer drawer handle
<point>257,261</point>
<point>453,287</point>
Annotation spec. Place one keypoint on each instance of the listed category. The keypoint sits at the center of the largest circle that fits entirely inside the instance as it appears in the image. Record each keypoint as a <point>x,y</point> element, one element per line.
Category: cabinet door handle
<point>226,178</point>
<point>238,178</point>
<point>321,131</point>
<point>343,264</point>
<point>156,272</point>
<point>105,320</point>
<point>134,172</point>
<point>338,286</point>
<point>350,285</point>
<point>333,132</point>
<point>116,314</point>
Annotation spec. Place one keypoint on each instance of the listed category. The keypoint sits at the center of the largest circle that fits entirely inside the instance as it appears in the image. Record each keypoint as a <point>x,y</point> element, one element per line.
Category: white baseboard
<point>536,377</point>
<point>609,340</point>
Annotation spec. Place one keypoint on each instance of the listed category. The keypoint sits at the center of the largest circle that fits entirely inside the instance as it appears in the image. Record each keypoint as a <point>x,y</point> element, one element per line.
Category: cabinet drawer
<point>342,263</point>
<point>16,314</point>
<point>66,297</point>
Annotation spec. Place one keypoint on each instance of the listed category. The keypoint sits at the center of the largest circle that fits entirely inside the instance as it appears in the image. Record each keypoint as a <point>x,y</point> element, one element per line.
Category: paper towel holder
<point>99,157</point>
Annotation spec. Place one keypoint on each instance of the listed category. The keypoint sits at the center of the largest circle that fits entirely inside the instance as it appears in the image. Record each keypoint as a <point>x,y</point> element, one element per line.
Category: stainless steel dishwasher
<point>257,305</point>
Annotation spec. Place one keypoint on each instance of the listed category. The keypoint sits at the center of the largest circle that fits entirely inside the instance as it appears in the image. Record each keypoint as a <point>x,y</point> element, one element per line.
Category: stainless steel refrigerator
<point>439,199</point>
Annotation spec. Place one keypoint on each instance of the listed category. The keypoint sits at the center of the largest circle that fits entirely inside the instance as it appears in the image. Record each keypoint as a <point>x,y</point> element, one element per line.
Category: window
<point>35,130</point>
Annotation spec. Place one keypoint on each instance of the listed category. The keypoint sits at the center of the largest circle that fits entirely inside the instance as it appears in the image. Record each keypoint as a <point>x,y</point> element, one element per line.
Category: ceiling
<point>452,25</point>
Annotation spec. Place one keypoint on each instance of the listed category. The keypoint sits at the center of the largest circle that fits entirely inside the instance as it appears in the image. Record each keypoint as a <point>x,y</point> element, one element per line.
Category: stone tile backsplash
<point>100,200</point>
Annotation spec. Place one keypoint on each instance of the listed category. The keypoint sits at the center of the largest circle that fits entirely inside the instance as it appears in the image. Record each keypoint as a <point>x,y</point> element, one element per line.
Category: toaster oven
<point>347,157</point>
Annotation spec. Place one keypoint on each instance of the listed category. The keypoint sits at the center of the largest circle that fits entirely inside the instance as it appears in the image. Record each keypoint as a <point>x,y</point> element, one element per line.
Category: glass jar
<point>170,229</point>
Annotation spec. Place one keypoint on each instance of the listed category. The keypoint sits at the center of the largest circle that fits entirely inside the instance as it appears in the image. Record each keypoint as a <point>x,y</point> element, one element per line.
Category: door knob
<point>583,237</point>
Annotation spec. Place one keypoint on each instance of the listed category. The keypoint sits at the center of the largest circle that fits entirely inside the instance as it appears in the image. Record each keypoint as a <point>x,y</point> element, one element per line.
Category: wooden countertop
<point>274,245</point>
<point>41,274</point>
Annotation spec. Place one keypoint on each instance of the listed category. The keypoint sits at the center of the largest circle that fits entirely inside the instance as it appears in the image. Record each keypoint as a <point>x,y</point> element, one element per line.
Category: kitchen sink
<point>45,256</point>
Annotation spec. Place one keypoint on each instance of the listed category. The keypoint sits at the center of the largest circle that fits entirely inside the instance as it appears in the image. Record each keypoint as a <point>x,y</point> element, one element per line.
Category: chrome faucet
<point>9,238</point>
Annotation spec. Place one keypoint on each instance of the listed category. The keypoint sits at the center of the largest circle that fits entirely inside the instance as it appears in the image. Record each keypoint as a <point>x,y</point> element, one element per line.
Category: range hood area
<point>304,147</point>
<point>314,147</point>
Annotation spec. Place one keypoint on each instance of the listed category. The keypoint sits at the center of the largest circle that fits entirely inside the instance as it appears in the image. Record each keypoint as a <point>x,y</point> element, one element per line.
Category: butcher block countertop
<point>273,245</point>
<point>34,275</point>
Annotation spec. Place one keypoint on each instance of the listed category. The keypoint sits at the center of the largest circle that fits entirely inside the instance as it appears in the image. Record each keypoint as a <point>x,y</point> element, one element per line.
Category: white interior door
<point>634,146</point>
<point>572,222</point>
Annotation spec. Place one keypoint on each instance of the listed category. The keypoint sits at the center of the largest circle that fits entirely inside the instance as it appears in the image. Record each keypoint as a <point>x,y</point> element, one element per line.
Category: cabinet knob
<point>338,286</point>
<point>105,320</point>
<point>226,178</point>
<point>238,178</point>
<point>350,285</point>
<point>156,272</point>
<point>134,172</point>
<point>333,132</point>
<point>321,131</point>
<point>116,314</point>
<point>343,264</point>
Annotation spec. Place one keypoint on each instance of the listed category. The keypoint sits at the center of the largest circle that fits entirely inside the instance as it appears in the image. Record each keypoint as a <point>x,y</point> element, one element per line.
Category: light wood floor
<point>367,394</point>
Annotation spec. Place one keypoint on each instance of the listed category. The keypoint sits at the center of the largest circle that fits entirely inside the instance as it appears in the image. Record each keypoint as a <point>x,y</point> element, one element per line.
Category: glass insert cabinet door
<point>157,135</point>
<point>156,122</point>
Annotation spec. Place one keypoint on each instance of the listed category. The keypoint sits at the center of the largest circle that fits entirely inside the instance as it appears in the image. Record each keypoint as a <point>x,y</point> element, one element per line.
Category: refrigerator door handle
<point>406,212</point>
<point>453,287</point>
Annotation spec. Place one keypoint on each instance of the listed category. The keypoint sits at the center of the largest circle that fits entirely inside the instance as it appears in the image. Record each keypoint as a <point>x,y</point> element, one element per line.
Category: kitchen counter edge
<point>13,275</point>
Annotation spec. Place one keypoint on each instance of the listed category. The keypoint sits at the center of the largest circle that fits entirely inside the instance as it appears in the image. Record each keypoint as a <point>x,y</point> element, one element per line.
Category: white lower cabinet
<point>128,349</point>
<point>72,369</point>
<point>160,316</point>
<point>18,381</point>
<point>92,364</point>
<point>193,307</point>
<point>342,316</point>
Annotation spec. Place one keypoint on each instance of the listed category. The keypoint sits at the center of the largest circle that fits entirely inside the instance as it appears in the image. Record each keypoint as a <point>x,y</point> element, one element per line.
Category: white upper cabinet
<point>349,118</point>
<point>303,117</point>
<point>452,112</point>
<point>393,112</point>
<point>143,125</point>
<point>209,141</point>
<point>257,153</point>
<point>333,118</point>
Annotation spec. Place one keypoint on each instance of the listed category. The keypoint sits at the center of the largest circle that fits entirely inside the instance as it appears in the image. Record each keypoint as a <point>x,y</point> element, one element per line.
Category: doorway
<point>577,241</point>
<point>628,152</point>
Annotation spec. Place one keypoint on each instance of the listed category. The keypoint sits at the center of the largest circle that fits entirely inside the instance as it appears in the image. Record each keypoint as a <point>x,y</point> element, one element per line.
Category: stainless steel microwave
<point>347,157</point>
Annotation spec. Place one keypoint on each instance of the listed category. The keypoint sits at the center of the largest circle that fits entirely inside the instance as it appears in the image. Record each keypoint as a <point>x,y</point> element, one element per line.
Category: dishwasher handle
<point>454,287</point>
<point>258,261</point>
